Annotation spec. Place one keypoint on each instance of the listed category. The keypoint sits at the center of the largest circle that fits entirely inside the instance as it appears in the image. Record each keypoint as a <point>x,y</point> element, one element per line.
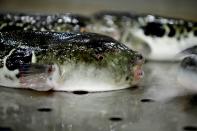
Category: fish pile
<point>156,37</point>
<point>69,52</point>
<point>54,53</point>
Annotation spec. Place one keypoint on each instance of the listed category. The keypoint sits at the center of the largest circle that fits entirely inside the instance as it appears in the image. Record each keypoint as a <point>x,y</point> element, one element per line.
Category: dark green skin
<point>59,48</point>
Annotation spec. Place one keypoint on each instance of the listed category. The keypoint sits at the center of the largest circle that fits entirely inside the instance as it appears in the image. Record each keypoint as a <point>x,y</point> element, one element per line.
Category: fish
<point>187,74</point>
<point>67,22</point>
<point>66,61</point>
<point>189,63</point>
<point>158,38</point>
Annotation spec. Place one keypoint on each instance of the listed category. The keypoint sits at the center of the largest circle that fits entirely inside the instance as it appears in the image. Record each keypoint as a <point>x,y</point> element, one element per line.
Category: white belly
<point>86,78</point>
<point>166,48</point>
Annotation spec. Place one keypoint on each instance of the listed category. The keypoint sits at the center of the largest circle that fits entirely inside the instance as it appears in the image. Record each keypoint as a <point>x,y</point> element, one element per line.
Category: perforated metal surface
<point>160,103</point>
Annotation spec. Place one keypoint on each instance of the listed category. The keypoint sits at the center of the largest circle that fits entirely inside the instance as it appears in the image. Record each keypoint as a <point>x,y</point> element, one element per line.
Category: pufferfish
<point>66,22</point>
<point>67,62</point>
<point>187,73</point>
<point>156,37</point>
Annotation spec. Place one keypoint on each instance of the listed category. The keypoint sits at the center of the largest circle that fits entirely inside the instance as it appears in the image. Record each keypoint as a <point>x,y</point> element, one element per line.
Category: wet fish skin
<point>43,22</point>
<point>187,74</point>
<point>190,63</point>
<point>20,51</point>
<point>157,37</point>
<point>152,25</point>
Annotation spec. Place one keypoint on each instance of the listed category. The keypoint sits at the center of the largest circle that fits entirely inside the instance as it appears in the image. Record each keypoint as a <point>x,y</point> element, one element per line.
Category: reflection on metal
<point>160,103</point>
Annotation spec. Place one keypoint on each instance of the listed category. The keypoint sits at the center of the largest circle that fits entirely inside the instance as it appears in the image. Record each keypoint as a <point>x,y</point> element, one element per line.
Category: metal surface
<point>160,103</point>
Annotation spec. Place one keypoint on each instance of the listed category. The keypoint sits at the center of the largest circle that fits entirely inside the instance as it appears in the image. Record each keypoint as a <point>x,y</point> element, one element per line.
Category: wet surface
<point>159,103</point>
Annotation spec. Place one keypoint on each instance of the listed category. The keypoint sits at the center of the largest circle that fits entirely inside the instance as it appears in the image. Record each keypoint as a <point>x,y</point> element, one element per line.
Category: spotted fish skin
<point>158,38</point>
<point>47,60</point>
<point>43,22</point>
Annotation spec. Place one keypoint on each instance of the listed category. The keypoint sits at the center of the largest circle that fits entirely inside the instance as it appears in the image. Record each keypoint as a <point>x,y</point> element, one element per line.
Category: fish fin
<point>35,76</point>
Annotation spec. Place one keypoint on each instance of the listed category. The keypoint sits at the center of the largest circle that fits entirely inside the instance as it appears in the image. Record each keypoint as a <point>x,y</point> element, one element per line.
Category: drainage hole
<point>147,100</point>
<point>115,119</point>
<point>80,92</point>
<point>190,128</point>
<point>5,129</point>
<point>44,109</point>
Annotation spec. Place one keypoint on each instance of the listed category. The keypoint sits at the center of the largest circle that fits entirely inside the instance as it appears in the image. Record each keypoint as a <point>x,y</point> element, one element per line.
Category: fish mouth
<point>138,72</point>
<point>137,69</point>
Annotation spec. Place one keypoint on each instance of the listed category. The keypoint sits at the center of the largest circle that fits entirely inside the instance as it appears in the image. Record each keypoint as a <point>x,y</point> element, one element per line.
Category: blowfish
<point>41,22</point>
<point>156,37</point>
<point>187,73</point>
<point>67,62</point>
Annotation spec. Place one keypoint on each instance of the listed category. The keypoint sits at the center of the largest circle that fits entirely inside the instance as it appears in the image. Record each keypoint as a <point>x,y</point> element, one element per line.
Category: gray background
<point>176,8</point>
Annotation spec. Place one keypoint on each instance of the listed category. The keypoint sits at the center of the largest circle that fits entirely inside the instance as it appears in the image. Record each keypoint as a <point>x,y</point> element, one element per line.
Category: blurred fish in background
<point>178,9</point>
<point>140,34</point>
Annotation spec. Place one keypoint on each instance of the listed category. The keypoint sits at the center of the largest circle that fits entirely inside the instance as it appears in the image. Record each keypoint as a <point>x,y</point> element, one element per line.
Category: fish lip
<point>138,72</point>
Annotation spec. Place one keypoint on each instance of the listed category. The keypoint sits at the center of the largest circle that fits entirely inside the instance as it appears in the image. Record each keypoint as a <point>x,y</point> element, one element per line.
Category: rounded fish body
<point>67,62</point>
